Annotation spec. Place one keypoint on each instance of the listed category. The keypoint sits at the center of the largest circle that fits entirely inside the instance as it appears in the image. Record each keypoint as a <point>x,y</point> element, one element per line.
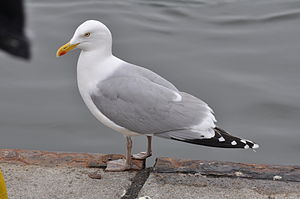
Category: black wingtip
<point>235,141</point>
<point>222,139</point>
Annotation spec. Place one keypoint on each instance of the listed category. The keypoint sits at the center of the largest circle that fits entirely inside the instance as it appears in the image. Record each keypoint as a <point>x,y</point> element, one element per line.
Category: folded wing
<point>145,107</point>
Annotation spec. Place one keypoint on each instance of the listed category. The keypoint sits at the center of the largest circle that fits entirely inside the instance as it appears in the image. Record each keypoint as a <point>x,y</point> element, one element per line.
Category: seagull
<point>135,101</point>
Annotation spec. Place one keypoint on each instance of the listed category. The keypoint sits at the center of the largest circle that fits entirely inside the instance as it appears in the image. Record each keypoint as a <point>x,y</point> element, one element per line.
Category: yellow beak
<point>65,49</point>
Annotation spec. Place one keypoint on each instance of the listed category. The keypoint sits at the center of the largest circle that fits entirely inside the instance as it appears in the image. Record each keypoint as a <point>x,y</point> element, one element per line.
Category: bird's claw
<point>141,156</point>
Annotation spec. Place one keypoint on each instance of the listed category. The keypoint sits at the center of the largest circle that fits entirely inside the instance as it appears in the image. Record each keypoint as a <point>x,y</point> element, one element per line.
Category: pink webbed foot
<point>141,156</point>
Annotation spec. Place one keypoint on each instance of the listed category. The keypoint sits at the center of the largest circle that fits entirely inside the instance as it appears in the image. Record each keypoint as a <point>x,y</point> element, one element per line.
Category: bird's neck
<point>92,58</point>
<point>99,53</point>
<point>93,66</point>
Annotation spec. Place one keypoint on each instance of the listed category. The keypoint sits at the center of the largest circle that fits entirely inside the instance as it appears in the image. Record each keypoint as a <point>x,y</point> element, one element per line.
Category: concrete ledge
<point>228,169</point>
<point>60,159</point>
<point>43,175</point>
<point>39,182</point>
<point>197,186</point>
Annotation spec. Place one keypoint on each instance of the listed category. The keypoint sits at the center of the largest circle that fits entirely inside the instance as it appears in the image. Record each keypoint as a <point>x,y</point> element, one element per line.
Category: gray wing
<point>145,107</point>
<point>130,70</point>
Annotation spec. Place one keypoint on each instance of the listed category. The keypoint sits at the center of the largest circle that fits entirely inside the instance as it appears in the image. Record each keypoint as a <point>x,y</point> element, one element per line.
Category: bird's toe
<point>141,156</point>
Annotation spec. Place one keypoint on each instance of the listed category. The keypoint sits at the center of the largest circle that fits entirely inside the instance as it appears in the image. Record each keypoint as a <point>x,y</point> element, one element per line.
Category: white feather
<point>88,76</point>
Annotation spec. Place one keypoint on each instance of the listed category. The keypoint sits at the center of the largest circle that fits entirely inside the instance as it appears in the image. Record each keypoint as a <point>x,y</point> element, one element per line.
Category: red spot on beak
<point>62,53</point>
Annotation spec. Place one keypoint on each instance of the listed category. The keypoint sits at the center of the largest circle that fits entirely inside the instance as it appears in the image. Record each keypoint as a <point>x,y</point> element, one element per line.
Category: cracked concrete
<point>176,185</point>
<point>54,175</point>
<point>37,182</point>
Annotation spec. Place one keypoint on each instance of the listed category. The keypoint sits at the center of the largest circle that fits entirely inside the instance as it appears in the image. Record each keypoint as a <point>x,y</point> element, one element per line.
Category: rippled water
<point>240,56</point>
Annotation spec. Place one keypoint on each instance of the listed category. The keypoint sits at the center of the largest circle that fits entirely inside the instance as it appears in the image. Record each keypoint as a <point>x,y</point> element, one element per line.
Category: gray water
<point>240,56</point>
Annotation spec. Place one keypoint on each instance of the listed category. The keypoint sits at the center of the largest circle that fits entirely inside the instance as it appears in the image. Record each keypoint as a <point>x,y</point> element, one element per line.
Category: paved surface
<point>49,175</point>
<point>178,186</point>
<point>35,182</point>
<point>52,159</point>
<point>228,169</point>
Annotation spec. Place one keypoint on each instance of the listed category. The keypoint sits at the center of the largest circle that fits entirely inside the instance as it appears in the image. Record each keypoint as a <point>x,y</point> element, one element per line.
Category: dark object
<point>228,169</point>
<point>137,183</point>
<point>95,175</point>
<point>12,36</point>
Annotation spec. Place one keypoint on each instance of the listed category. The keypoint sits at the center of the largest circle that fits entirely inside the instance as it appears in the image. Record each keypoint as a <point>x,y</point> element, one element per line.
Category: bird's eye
<point>87,34</point>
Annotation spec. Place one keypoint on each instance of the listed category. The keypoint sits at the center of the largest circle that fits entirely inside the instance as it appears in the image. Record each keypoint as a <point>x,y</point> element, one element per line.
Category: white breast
<point>88,76</point>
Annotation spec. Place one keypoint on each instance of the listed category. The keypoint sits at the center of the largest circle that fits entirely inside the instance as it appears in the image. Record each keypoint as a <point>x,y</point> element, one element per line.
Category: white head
<point>91,35</point>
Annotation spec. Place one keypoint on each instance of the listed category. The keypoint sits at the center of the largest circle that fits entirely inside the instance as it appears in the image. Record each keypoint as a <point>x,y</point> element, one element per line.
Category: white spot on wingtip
<point>243,141</point>
<point>255,146</point>
<point>233,143</point>
<point>250,141</point>
<point>246,146</point>
<point>221,139</point>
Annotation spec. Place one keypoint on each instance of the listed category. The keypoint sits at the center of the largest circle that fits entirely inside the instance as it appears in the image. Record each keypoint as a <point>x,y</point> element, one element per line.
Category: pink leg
<point>121,164</point>
<point>144,155</point>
